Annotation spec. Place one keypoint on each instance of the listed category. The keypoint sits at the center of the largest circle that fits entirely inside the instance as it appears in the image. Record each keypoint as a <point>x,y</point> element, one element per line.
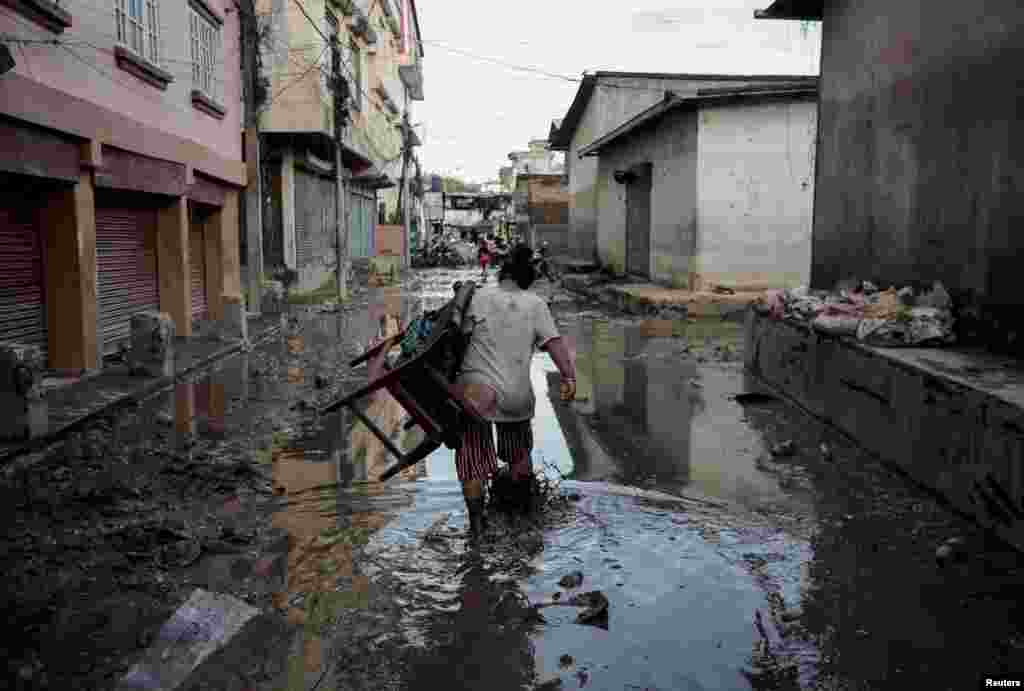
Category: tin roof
<point>562,138</point>
<point>807,86</point>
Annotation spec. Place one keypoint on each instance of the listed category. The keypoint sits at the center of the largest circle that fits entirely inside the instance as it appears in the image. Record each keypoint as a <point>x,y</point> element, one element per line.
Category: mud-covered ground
<point>735,542</point>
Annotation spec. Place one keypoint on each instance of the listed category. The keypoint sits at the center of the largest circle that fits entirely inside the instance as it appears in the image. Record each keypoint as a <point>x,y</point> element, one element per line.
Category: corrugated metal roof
<point>561,139</point>
<point>806,86</point>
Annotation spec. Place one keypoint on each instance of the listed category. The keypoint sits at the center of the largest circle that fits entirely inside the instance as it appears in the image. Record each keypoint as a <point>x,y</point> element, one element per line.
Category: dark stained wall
<point>920,151</point>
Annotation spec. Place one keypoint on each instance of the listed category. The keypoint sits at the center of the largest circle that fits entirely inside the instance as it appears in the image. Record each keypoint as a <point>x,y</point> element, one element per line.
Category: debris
<point>754,398</point>
<point>826,451</point>
<point>723,290</point>
<point>785,448</point>
<point>556,596</point>
<point>595,606</point>
<point>937,298</point>
<point>951,551</point>
<point>836,325</point>
<point>571,580</point>
<point>320,381</point>
<point>575,496</point>
<point>565,661</point>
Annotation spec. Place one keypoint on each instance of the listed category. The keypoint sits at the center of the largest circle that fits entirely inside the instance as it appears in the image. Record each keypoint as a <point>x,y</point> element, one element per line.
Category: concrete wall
<point>919,159</point>
<point>306,105</point>
<point>927,411</point>
<point>755,176</point>
<point>672,150</point>
<point>614,101</point>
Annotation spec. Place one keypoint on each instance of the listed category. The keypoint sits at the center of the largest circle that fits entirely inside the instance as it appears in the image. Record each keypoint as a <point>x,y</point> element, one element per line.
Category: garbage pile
<point>888,318</point>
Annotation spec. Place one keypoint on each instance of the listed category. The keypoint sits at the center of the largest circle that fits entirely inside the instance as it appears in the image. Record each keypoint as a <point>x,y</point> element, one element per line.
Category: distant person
<point>484,256</point>
<point>509,324</point>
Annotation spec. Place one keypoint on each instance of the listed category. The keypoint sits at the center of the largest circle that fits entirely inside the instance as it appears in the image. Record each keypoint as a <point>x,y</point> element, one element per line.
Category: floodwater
<point>725,567</point>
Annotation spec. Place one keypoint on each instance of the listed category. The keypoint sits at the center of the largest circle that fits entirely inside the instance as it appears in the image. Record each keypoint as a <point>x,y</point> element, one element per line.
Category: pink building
<point>120,168</point>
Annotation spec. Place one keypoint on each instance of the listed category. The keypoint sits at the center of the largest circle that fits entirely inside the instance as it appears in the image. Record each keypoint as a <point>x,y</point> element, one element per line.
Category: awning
<point>412,77</point>
<point>373,179</point>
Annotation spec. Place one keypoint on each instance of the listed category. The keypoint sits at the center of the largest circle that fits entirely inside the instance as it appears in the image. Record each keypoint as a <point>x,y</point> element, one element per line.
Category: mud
<point>721,564</point>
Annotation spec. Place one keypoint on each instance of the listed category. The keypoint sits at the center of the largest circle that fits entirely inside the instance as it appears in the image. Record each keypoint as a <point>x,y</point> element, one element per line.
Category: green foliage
<point>392,24</point>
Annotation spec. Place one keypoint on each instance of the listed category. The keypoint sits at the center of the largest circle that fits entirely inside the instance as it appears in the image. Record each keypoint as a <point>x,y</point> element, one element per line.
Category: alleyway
<point>739,544</point>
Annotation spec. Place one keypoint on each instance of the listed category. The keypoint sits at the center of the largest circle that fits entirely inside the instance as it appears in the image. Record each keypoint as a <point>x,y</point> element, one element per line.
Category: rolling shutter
<point>22,306</point>
<point>305,217</point>
<point>126,270</point>
<point>197,265</point>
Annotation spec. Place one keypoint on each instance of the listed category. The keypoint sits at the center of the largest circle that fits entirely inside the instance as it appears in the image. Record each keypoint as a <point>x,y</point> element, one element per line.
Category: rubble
<point>889,318</point>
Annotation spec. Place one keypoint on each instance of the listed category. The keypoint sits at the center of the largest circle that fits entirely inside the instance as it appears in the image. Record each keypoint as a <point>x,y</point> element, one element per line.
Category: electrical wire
<point>495,61</point>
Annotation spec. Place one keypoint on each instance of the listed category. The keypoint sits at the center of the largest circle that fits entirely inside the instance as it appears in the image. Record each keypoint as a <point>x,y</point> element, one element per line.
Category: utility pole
<point>253,193</point>
<point>403,199</point>
<point>341,94</point>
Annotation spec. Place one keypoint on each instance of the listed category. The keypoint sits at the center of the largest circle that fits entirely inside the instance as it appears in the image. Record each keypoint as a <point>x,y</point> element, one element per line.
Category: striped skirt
<point>477,458</point>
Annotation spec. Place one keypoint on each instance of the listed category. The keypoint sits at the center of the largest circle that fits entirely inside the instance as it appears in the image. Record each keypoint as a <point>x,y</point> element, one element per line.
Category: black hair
<point>519,267</point>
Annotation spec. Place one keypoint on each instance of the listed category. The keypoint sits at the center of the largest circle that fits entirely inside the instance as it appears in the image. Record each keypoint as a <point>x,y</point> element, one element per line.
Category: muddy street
<point>737,543</point>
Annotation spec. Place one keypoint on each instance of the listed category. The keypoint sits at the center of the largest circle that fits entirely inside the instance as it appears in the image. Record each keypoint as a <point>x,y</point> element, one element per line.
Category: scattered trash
<point>595,606</point>
<point>889,318</point>
<point>785,448</point>
<point>571,580</point>
<point>754,398</point>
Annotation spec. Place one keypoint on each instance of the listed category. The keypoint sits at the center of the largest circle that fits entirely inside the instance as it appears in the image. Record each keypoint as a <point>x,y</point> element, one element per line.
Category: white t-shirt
<point>509,325</point>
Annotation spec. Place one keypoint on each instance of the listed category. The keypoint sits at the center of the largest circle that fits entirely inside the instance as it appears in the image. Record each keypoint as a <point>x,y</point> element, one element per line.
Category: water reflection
<point>485,643</point>
<point>648,411</point>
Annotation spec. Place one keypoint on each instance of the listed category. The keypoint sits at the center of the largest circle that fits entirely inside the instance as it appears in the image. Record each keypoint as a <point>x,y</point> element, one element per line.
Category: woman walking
<point>509,324</point>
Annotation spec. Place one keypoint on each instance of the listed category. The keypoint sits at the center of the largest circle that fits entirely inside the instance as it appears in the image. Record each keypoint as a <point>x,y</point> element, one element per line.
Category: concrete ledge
<point>647,298</point>
<point>952,420</point>
<point>124,391</point>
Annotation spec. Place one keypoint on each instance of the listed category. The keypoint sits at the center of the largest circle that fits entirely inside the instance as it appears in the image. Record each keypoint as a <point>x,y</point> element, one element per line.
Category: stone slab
<point>951,419</point>
<point>205,623</point>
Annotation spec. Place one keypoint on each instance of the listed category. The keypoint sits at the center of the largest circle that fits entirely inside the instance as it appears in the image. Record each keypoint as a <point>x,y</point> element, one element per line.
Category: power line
<point>546,73</point>
<point>521,68</point>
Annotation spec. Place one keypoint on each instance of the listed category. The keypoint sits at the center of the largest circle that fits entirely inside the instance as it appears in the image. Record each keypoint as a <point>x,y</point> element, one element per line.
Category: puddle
<point>836,556</point>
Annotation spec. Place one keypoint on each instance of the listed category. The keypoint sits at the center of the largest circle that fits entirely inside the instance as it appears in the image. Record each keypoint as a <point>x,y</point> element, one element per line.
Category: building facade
<point>604,101</point>
<point>338,69</point>
<point>712,189</point>
<point>121,169</point>
<point>919,165</point>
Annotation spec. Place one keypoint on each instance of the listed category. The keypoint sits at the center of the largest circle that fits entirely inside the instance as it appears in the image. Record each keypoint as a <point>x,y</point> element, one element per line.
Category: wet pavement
<point>739,544</point>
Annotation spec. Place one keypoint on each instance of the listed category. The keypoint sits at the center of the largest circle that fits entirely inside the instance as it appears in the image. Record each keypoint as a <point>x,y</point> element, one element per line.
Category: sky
<point>475,112</point>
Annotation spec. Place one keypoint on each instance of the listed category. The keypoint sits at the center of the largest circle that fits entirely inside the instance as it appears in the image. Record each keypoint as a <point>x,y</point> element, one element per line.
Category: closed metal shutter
<point>126,270</point>
<point>197,265</point>
<point>303,217</point>
<point>22,304</point>
<point>314,218</point>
